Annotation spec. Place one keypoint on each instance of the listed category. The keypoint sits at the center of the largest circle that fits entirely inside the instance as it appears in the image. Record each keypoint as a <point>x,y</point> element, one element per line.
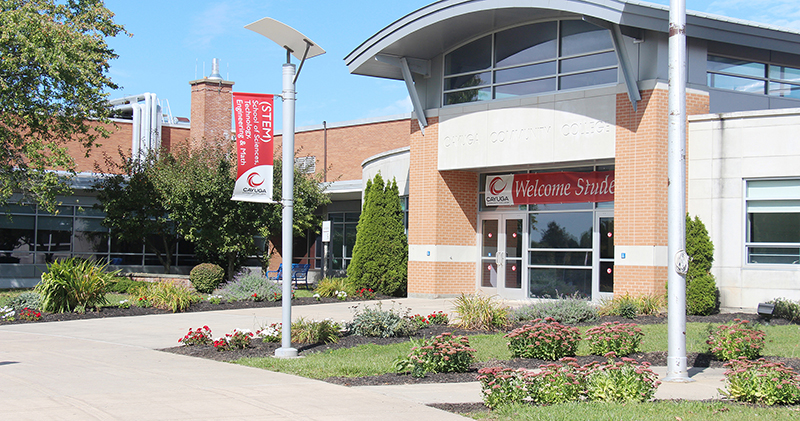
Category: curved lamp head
<point>286,37</point>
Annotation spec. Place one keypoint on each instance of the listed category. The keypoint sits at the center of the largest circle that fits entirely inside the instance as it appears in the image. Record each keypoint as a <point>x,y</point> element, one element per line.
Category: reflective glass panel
<point>488,273</point>
<point>592,61</point>
<point>561,230</point>
<point>470,95</point>
<point>606,276</point>
<point>16,234</point>
<point>774,255</point>
<point>581,80</point>
<point>526,44</point>
<point>532,71</point>
<point>474,56</point>
<point>789,74</point>
<point>579,37</point>
<point>513,274</point>
<point>90,236</point>
<point>736,66</point>
<point>552,283</point>
<point>467,81</point>
<point>560,258</point>
<point>736,83</point>
<point>774,227</point>
<point>489,233</point>
<point>526,88</point>
<point>784,89</point>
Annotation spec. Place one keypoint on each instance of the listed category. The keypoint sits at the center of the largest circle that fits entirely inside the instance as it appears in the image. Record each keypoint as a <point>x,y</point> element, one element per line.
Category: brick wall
<point>349,146</point>
<point>442,211</point>
<point>640,199</point>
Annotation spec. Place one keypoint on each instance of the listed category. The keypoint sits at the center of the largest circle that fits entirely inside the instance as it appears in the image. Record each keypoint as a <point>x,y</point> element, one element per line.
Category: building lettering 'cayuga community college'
<point>534,163</point>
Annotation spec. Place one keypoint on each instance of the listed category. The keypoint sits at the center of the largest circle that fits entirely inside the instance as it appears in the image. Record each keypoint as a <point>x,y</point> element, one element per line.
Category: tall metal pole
<point>676,225</point>
<point>288,93</point>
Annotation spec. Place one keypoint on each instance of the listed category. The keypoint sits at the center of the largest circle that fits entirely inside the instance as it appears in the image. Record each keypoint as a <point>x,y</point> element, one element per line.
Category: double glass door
<point>502,253</point>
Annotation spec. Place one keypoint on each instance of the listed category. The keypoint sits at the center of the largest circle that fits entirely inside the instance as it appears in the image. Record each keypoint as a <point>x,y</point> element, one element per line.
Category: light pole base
<point>676,371</point>
<point>286,353</point>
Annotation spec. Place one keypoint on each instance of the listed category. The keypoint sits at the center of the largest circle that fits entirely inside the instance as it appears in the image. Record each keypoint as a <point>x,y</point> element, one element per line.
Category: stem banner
<point>555,187</point>
<point>253,115</point>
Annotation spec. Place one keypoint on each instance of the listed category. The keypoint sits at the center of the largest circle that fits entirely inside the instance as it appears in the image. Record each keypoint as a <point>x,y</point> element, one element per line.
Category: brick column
<point>442,221</point>
<point>640,199</point>
<point>211,109</point>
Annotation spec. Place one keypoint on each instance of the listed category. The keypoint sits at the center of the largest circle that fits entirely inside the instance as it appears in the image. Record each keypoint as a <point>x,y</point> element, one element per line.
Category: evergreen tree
<point>380,255</point>
<point>701,289</point>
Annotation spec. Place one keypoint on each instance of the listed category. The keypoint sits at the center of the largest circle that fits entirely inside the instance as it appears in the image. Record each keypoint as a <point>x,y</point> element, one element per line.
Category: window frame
<point>746,225</point>
<point>766,79</point>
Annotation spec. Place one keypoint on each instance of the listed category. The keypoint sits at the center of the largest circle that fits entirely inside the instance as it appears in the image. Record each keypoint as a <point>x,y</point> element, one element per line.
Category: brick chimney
<point>211,107</point>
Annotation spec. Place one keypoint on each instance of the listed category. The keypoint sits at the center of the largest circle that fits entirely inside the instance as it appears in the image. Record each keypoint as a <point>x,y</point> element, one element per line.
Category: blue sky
<point>174,41</point>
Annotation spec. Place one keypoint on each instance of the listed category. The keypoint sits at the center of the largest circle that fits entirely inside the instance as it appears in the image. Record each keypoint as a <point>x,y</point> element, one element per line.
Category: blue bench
<point>299,274</point>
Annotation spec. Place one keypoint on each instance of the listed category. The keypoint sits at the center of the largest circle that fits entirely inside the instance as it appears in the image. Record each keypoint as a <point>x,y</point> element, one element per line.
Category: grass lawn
<point>651,411</point>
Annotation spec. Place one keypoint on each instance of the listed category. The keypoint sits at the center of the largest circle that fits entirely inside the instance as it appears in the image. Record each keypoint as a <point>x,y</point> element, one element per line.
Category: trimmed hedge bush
<point>701,289</point>
<point>206,277</point>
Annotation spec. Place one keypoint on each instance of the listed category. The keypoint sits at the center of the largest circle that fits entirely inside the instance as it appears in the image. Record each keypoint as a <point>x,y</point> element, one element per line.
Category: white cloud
<point>784,13</point>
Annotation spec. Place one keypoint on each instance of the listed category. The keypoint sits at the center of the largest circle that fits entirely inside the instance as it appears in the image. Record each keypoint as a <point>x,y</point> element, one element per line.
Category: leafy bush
<point>701,289</point>
<point>481,312</point>
<point>625,306</point>
<point>380,254</point>
<point>761,382</point>
<point>787,309</point>
<point>123,285</point>
<point>271,333</point>
<point>651,305</point>
<point>315,331</point>
<point>568,310</point>
<point>72,283</point>
<point>328,287</point>
<point>29,300</point>
<point>442,354</point>
<point>165,296</point>
<point>557,383</point>
<point>438,318</point>
<point>737,339</point>
<point>701,296</point>
<point>503,386</point>
<point>420,321</point>
<point>206,277</point>
<point>244,285</point>
<point>374,321</point>
<point>621,339</point>
<point>620,381</point>
<point>201,336</point>
<point>545,339</point>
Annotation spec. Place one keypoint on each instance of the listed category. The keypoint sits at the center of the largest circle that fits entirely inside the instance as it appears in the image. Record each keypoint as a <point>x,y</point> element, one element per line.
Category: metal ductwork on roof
<point>147,120</point>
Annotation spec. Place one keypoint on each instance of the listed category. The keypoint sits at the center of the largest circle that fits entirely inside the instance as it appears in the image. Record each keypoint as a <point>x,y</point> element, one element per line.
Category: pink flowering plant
<point>201,336</point>
<point>560,382</point>
<point>545,339</point>
<point>503,386</point>
<point>620,381</point>
<point>438,318</point>
<point>621,338</point>
<point>761,382</point>
<point>442,354</point>
<point>238,339</point>
<point>738,339</point>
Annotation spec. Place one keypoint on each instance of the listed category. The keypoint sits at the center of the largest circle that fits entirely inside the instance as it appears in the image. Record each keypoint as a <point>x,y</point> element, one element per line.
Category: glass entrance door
<point>604,246</point>
<point>502,251</point>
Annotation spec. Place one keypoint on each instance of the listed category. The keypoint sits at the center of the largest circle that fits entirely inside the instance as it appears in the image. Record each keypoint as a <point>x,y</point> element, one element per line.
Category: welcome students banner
<point>543,188</point>
<point>253,114</point>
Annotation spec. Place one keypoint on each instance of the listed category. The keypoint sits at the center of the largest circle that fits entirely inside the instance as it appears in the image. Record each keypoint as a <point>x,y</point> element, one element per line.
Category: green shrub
<point>165,296</point>
<point>651,305</point>
<point>245,285</point>
<point>568,310</point>
<point>544,339</point>
<point>622,381</point>
<point>761,382</point>
<point>315,331</point>
<point>374,321</point>
<point>123,285</point>
<point>626,306</point>
<point>557,383</point>
<point>328,287</point>
<point>787,309</point>
<point>481,312</point>
<point>380,254</point>
<point>443,354</point>
<point>701,289</point>
<point>503,386</point>
<point>73,283</point>
<point>701,296</point>
<point>621,339</point>
<point>735,340</point>
<point>206,277</point>
<point>29,300</point>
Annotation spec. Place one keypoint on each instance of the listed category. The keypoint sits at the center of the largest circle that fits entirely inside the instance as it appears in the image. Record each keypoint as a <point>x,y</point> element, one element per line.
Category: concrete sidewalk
<point>109,369</point>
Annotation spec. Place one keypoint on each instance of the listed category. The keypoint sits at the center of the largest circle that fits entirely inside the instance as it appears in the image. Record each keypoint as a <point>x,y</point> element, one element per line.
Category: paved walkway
<point>107,369</point>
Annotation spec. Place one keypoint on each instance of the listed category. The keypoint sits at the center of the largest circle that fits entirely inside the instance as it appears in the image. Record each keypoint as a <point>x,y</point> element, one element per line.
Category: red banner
<point>253,116</point>
<point>544,188</point>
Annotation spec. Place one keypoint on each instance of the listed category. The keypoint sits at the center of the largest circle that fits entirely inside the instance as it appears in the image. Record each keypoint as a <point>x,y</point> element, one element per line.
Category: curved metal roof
<point>440,26</point>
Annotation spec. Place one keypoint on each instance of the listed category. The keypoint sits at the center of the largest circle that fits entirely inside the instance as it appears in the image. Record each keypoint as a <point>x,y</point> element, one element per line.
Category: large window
<point>773,221</point>
<point>530,59</point>
<point>750,76</point>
